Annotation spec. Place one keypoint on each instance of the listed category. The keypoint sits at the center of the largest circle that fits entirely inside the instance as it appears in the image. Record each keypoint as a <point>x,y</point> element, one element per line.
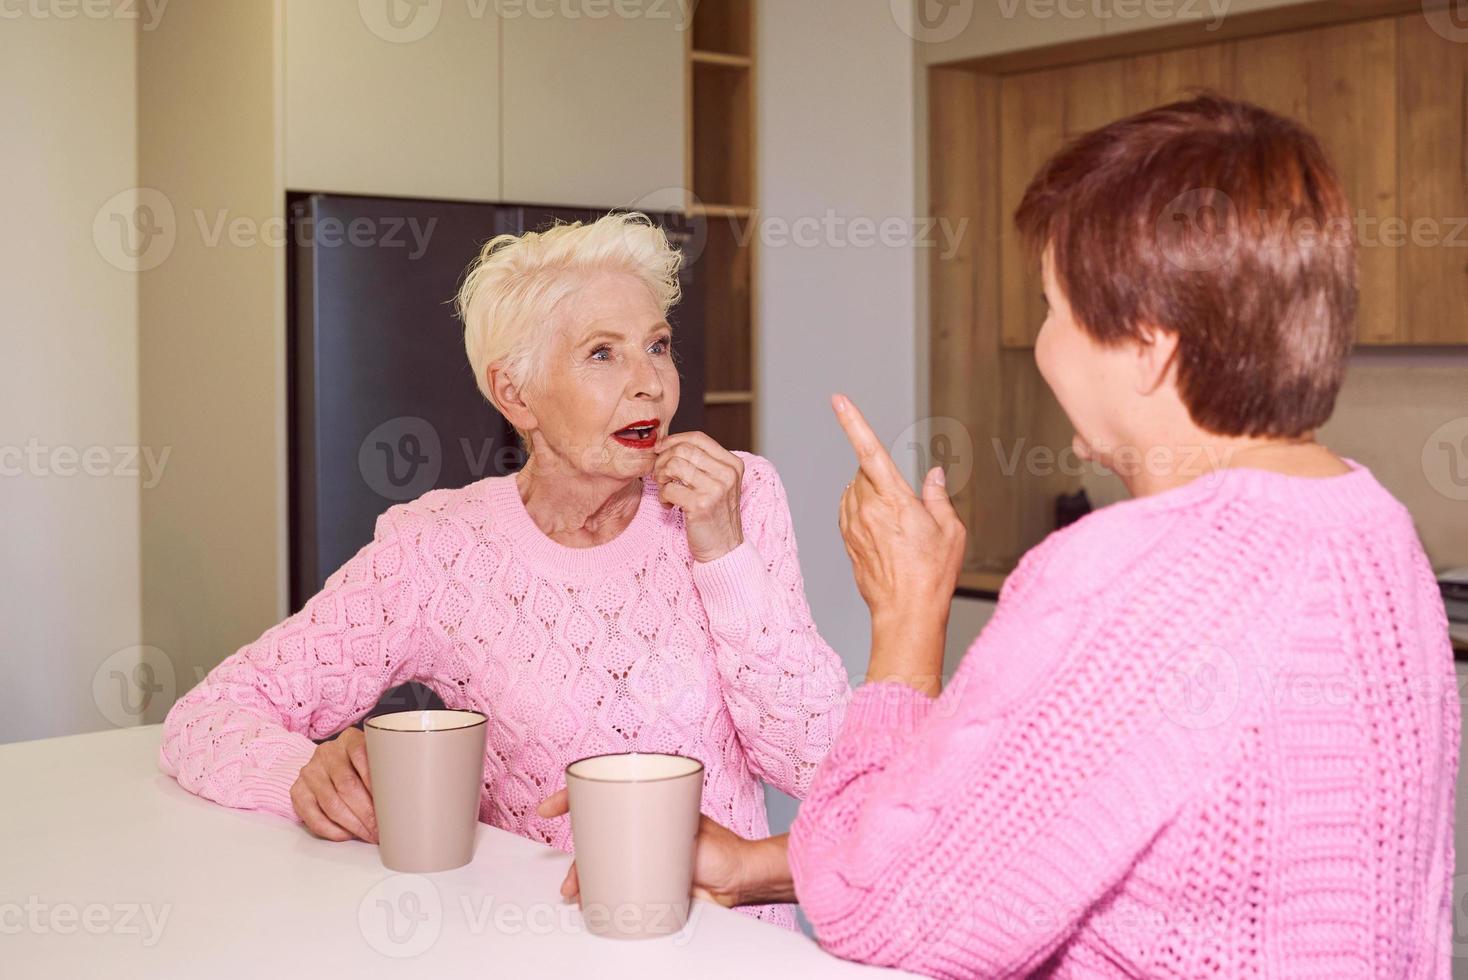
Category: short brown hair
<point>1188,217</point>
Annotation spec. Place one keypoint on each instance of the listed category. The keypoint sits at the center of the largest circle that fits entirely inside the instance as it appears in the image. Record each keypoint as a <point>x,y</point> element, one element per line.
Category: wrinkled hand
<point>905,551</point>
<point>333,793</point>
<point>697,474</point>
<point>718,863</point>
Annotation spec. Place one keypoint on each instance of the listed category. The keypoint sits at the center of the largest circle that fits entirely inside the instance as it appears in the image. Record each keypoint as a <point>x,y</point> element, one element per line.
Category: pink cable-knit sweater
<point>1208,733</point>
<point>630,645</point>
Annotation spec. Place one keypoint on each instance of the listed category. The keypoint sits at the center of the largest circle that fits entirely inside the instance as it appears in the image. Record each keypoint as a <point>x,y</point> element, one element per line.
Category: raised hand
<point>906,552</point>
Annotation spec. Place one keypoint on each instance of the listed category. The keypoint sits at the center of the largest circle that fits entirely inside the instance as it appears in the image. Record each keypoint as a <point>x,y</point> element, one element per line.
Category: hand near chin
<point>702,477</point>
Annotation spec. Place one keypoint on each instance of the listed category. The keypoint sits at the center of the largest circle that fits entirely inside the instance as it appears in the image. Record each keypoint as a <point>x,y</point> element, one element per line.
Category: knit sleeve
<point>241,736</point>
<point>785,688</point>
<point>969,835</point>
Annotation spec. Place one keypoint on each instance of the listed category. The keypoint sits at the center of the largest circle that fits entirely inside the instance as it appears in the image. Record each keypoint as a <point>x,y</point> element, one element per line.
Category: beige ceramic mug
<point>426,768</point>
<point>634,818</point>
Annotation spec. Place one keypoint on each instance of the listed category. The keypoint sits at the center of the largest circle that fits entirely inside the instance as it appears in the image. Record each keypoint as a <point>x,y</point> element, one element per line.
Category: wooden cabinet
<point>723,190</point>
<point>1031,129</point>
<point>1387,98</point>
<point>1149,80</point>
<point>1344,90</point>
<point>1433,190</point>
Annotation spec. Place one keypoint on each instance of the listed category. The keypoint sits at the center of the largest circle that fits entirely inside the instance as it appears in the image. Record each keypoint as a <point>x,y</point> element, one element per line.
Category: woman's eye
<point>660,346</point>
<point>602,353</point>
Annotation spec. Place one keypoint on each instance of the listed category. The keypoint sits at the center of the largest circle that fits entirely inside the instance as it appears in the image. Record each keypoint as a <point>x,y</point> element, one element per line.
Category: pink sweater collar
<point>551,557</point>
<point>1324,500</point>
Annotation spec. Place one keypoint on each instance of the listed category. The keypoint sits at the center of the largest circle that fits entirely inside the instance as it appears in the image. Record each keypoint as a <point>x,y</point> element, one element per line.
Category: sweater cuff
<point>269,788</point>
<point>886,706</point>
<point>732,584</point>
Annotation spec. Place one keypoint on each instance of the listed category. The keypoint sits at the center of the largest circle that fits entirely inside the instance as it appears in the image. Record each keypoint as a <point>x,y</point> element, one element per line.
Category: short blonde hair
<point>510,290</point>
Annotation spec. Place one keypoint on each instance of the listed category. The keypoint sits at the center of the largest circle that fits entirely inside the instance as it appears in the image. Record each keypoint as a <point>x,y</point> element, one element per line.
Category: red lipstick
<point>642,434</point>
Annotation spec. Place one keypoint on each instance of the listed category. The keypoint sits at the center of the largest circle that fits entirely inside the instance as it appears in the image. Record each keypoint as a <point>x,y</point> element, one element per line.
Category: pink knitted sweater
<point>626,646</point>
<point>1208,733</point>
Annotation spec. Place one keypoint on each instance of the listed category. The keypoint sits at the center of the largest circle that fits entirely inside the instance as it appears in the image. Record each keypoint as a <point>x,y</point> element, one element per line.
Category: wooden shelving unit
<point>720,179</point>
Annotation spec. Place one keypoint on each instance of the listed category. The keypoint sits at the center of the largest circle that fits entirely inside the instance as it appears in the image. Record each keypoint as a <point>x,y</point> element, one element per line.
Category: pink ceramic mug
<point>634,818</point>
<point>426,767</point>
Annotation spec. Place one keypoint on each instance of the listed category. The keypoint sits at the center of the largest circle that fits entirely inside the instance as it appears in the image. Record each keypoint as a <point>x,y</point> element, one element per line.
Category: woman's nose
<point>646,382</point>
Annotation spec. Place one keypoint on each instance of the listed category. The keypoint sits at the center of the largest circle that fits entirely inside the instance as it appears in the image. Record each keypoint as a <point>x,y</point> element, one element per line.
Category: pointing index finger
<point>870,452</point>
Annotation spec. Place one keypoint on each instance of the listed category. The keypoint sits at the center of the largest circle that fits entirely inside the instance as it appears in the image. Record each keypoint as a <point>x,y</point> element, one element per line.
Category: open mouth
<point>639,435</point>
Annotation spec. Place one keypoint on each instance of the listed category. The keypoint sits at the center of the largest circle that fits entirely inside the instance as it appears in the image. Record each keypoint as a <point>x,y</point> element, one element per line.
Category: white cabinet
<point>593,110</point>
<point>392,98</point>
<point>578,104</point>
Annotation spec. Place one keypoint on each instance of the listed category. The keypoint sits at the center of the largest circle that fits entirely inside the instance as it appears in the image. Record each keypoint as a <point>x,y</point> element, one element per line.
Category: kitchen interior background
<point>223,107</point>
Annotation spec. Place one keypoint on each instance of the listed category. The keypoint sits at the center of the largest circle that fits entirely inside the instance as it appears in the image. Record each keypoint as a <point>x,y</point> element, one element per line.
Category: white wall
<point>835,103</point>
<point>68,407</point>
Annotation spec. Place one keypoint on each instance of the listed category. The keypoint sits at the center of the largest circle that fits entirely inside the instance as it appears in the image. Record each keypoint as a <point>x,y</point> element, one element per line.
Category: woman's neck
<point>1163,466</point>
<point>576,509</point>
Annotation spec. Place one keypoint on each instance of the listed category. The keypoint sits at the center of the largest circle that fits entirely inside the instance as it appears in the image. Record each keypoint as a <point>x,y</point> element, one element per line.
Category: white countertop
<point>109,868</point>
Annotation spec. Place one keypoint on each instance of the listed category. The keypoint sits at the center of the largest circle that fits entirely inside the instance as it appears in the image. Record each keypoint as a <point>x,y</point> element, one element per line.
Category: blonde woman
<point>626,590</point>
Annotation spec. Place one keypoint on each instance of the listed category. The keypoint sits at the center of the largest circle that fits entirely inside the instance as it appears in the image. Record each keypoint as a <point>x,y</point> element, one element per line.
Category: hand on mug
<point>719,865</point>
<point>333,793</point>
<point>697,474</point>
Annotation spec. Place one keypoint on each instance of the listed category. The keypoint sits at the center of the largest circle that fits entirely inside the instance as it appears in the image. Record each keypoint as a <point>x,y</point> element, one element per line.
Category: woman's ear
<point>509,400</point>
<point>1156,352</point>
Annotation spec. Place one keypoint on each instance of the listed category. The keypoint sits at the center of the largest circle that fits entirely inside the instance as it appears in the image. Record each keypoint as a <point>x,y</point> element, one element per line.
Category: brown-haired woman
<point>1209,731</point>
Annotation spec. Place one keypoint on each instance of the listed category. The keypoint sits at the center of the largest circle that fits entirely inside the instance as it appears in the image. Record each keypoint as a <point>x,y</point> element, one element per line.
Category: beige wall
<point>211,337</point>
<point>69,564</point>
<point>1392,404</point>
